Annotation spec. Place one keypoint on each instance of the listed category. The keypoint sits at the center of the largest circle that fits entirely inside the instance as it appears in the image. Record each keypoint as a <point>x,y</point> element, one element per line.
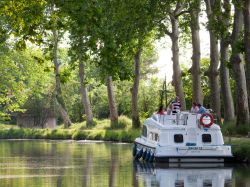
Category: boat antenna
<point>163,94</point>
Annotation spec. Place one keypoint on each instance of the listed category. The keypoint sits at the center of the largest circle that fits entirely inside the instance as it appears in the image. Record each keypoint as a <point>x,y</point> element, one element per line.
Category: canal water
<point>33,163</point>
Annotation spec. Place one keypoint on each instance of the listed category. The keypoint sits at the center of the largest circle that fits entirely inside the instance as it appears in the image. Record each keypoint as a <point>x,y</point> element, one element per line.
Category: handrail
<point>178,119</point>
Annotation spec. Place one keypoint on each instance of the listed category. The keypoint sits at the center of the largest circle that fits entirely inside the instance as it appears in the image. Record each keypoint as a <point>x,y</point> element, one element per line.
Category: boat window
<point>178,138</point>
<point>207,183</point>
<point>206,138</point>
<point>156,137</point>
<point>151,136</point>
<point>179,183</point>
<point>228,183</point>
<point>144,131</point>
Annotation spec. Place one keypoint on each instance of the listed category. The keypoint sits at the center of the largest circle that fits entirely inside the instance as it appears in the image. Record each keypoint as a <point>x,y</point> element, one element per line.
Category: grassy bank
<point>101,131</point>
<point>107,135</point>
<point>240,147</point>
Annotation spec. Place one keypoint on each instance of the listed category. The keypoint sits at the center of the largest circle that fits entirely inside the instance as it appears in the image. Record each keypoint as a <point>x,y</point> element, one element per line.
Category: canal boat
<point>182,137</point>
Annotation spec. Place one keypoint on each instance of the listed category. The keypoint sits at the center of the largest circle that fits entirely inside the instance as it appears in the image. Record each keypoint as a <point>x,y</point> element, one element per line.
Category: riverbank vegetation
<point>79,62</point>
<point>103,132</point>
<point>78,131</point>
<point>240,148</point>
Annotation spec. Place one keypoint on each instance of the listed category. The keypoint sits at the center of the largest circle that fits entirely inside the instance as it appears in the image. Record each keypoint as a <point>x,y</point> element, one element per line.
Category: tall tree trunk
<point>112,103</point>
<point>174,35</point>
<point>247,43</point>
<point>213,72</point>
<point>84,94</point>
<point>135,112</point>
<point>177,81</point>
<point>225,83</point>
<point>242,108</point>
<point>59,98</point>
<point>226,92</point>
<point>195,70</point>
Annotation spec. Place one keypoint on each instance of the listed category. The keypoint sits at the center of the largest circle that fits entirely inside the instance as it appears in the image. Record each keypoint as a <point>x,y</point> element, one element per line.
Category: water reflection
<point>188,175</point>
<point>88,164</point>
<point>64,163</point>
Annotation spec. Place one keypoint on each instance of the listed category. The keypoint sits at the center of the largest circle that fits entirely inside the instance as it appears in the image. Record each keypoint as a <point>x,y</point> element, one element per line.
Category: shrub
<point>82,126</point>
<point>58,134</point>
<point>111,135</point>
<point>126,136</point>
<point>78,126</point>
<point>96,135</point>
<point>230,129</point>
<point>124,122</point>
<point>242,130</point>
<point>79,135</point>
<point>102,124</point>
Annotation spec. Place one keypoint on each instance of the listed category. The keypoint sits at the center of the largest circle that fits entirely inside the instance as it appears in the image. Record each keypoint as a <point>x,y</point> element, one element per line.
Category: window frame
<point>177,136</point>
<point>204,136</point>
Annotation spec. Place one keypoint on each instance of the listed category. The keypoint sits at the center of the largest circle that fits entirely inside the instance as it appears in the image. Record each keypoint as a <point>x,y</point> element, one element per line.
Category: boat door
<point>191,136</point>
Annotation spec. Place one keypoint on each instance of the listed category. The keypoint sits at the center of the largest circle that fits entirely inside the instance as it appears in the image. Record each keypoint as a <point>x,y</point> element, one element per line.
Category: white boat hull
<point>186,154</point>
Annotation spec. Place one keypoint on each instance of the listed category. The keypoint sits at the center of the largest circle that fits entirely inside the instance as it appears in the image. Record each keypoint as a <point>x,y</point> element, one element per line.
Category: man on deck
<point>176,105</point>
<point>201,110</point>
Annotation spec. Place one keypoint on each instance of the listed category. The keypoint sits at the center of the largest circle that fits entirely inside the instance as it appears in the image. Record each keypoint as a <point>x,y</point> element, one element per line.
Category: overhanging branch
<point>182,12</point>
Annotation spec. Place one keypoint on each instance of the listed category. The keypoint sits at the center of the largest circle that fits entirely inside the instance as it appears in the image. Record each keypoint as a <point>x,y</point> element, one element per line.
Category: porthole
<point>178,138</point>
<point>206,138</point>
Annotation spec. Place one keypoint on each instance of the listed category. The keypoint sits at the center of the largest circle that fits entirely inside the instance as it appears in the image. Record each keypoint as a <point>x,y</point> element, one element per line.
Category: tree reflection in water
<point>98,164</point>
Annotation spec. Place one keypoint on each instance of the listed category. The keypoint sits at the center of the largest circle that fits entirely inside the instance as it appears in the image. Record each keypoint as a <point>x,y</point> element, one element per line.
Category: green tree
<point>141,23</point>
<point>187,81</point>
<point>225,23</point>
<point>194,11</point>
<point>169,24</point>
<point>242,108</point>
<point>79,52</point>
<point>22,75</point>
<point>246,11</point>
<point>212,7</point>
<point>82,25</point>
<point>39,22</point>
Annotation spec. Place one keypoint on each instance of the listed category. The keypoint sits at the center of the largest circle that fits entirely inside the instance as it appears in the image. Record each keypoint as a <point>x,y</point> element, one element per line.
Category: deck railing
<point>174,119</point>
<point>177,119</point>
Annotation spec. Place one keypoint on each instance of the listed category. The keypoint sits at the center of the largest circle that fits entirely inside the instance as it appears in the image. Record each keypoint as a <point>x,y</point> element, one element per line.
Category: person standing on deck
<point>202,109</point>
<point>176,105</point>
<point>160,111</point>
<point>194,108</point>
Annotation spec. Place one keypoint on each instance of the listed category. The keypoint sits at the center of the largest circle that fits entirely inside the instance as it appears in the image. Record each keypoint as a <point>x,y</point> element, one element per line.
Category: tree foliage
<point>105,35</point>
<point>22,76</point>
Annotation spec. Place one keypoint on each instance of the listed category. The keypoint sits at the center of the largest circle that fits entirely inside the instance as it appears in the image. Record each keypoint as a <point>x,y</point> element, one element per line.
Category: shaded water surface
<point>68,163</point>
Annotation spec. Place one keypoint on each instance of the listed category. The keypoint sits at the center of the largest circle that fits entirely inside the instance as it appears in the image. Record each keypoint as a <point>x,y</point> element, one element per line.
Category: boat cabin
<point>182,129</point>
